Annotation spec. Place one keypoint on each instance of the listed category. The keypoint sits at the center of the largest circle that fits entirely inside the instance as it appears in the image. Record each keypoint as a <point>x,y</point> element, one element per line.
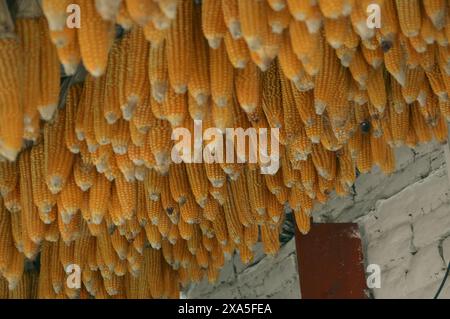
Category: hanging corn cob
<point>42,196</point>
<point>179,48</point>
<point>221,76</point>
<point>99,195</point>
<point>49,74</point>
<point>29,35</point>
<point>11,103</point>
<point>95,39</point>
<point>137,83</point>
<point>213,23</point>
<point>58,159</point>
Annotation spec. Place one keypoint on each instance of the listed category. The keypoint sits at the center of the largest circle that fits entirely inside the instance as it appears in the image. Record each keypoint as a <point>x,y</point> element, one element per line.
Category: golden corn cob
<point>239,193</point>
<point>164,224</point>
<point>199,182</point>
<point>221,76</point>
<point>307,46</point>
<point>211,209</point>
<point>289,63</point>
<point>334,9</point>
<point>435,10</point>
<point>95,39</point>
<point>220,194</point>
<point>49,75</point>
<point>324,161</point>
<point>435,78</point>
<point>364,157</point>
<point>111,106</point>
<point>256,191</point>
<point>126,192</point>
<point>303,222</point>
<point>12,200</point>
<point>157,71</point>
<point>230,10</point>
<point>84,174</point>
<point>123,17</point>
<point>102,130</point>
<point>421,129</point>
<point>215,174</point>
<point>153,185</point>
<point>235,219</point>
<point>29,33</point>
<point>179,183</point>
<point>199,84</point>
<point>228,249</point>
<point>253,18</point>
<point>56,13</point>
<point>11,106</point>
<point>190,212</point>
<point>70,230</point>
<point>71,108</point>
<point>358,17</point>
<point>347,172</point>
<point>409,16</point>
<point>174,234</point>
<point>237,51</point>
<point>374,57</point>
<point>8,177</point>
<point>412,86</point>
<point>141,11</point>
<point>390,26</point>
<point>394,62</point>
<point>175,107</point>
<point>99,195</point>
<point>15,269</point>
<point>68,49</point>
<point>35,228</point>
<point>440,131</point>
<point>42,197</point>
<point>121,137</point>
<point>108,9</point>
<point>248,87</point>
<point>444,107</point>
<point>278,19</point>
<point>195,241</point>
<point>336,31</point>
<point>186,229</point>
<point>290,113</point>
<point>82,111</point>
<point>376,89</point>
<point>213,23</point>
<point>58,158</point>
<point>196,111</point>
<point>7,242</point>
<point>220,228</point>
<point>222,118</point>
<point>136,85</point>
<point>269,238</point>
<point>179,48</point>
<point>328,138</point>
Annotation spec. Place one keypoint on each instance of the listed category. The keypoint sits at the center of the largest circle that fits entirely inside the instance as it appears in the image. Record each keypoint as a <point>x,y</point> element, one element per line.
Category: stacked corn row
<point>29,88</point>
<point>343,96</point>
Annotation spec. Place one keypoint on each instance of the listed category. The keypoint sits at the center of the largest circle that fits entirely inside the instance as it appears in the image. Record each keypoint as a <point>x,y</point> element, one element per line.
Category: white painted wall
<point>405,226</point>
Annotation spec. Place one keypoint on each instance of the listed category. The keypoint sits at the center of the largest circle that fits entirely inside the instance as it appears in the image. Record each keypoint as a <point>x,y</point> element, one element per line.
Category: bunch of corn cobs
<point>90,183</point>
